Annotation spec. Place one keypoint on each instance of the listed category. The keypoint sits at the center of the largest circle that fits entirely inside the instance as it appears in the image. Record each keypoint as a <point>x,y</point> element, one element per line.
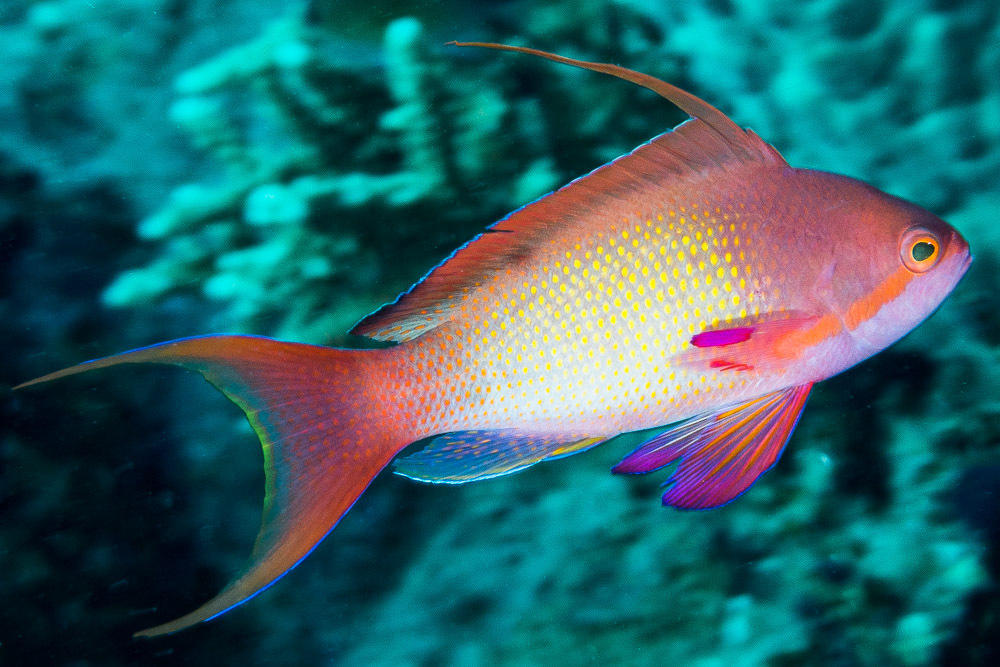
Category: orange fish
<point>698,280</point>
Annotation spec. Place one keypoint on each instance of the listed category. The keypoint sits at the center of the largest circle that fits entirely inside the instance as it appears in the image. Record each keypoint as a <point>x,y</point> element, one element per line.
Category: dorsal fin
<point>708,142</point>
<point>690,104</point>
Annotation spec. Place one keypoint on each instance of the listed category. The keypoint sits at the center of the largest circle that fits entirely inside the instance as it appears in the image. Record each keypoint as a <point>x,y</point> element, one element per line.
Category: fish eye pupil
<point>922,250</point>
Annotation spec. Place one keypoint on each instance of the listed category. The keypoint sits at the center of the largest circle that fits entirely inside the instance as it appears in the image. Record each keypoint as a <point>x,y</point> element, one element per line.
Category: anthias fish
<point>698,281</point>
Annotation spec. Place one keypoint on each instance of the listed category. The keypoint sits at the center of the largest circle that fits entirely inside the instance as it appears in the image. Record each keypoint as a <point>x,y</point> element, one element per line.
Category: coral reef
<point>322,167</point>
<point>331,173</point>
<point>316,167</point>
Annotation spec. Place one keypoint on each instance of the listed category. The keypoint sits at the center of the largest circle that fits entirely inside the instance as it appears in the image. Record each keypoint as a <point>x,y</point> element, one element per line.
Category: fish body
<point>698,281</point>
<point>590,333</point>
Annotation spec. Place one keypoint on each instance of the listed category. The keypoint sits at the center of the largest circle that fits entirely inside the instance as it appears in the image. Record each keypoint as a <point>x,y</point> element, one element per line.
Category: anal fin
<point>469,456</point>
<point>721,453</point>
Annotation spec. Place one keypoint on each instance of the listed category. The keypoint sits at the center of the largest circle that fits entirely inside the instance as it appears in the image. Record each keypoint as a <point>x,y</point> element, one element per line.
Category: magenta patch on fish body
<point>722,337</point>
<point>723,364</point>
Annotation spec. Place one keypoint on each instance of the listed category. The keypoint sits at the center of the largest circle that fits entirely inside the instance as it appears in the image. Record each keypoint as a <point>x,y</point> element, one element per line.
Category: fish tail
<point>325,438</point>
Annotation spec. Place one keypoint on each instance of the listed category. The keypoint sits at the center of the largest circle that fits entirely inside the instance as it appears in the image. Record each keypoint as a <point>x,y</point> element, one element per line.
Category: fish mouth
<point>960,262</point>
<point>924,294</point>
<point>961,247</point>
<point>963,265</point>
<point>958,255</point>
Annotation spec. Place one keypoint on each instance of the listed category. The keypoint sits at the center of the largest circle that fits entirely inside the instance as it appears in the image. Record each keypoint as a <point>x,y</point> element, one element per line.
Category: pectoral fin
<point>752,343</point>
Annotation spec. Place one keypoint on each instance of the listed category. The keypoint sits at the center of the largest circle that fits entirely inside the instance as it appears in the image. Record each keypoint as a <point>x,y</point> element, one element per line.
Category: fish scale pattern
<point>589,333</point>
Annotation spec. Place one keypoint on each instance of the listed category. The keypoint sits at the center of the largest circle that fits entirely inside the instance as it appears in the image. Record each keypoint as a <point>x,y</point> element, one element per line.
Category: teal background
<point>172,168</point>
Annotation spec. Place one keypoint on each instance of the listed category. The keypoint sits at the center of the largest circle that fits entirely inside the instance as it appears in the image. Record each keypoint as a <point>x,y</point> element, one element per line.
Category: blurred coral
<point>339,169</point>
<point>319,159</point>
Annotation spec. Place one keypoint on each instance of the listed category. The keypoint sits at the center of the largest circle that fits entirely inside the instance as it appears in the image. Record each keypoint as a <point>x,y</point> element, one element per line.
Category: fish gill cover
<point>283,168</point>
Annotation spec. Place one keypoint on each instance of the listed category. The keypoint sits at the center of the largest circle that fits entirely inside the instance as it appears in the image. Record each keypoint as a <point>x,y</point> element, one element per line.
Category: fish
<point>698,286</point>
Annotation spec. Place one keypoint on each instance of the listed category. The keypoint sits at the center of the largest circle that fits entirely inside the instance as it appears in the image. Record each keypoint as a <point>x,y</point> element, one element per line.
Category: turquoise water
<point>175,168</point>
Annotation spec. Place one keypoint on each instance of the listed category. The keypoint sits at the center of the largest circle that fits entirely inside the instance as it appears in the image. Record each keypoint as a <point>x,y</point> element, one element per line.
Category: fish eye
<point>922,250</point>
<point>919,250</point>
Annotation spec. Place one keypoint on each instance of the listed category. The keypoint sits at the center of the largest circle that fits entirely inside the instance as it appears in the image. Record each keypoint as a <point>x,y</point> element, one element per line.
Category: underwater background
<point>176,167</point>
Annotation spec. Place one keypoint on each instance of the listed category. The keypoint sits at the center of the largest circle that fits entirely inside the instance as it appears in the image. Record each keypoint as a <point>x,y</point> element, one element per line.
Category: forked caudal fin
<point>312,408</point>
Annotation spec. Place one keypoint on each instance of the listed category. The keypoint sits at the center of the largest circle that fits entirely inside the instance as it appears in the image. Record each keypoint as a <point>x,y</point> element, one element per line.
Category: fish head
<point>886,265</point>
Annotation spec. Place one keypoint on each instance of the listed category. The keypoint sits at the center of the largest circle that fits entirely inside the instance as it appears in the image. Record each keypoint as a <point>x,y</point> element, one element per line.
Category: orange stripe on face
<point>859,312</point>
<point>865,308</point>
<point>792,345</point>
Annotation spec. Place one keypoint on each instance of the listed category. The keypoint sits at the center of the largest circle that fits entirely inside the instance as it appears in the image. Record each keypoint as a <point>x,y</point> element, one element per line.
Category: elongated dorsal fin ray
<point>690,104</point>
<point>710,145</point>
